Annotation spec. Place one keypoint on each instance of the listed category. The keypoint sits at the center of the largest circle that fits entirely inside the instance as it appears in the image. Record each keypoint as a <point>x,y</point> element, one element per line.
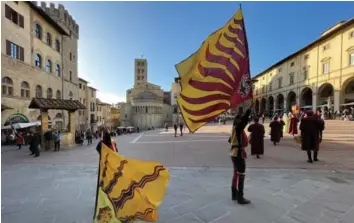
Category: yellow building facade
<point>320,74</point>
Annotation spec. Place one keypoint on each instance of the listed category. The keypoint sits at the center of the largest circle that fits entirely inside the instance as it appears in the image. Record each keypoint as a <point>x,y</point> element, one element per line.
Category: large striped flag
<point>217,76</point>
<point>128,190</point>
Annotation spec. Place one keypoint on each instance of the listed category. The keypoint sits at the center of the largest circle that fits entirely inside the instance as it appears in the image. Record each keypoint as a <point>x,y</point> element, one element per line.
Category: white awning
<point>22,125</point>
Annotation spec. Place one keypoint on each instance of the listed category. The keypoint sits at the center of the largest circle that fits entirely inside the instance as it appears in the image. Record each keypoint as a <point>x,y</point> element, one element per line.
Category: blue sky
<point>112,34</point>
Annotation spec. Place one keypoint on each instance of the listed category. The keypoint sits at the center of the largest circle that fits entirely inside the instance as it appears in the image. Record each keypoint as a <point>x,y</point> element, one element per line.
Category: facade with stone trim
<point>320,74</point>
<point>39,58</point>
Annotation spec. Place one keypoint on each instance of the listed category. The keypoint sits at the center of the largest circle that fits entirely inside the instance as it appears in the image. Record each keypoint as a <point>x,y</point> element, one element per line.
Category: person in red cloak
<point>293,124</point>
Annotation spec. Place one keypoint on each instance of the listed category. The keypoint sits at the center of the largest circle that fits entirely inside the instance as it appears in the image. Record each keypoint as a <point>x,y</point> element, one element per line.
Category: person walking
<point>19,139</point>
<point>310,135</point>
<point>257,132</point>
<point>181,128</point>
<point>293,124</point>
<point>238,155</point>
<point>321,123</point>
<point>275,130</point>
<point>57,138</point>
<point>36,138</point>
<point>48,136</point>
<point>89,136</point>
<point>263,118</point>
<point>175,127</point>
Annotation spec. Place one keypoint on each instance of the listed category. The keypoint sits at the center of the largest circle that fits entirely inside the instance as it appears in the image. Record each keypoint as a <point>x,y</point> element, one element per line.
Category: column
<point>336,100</point>
<point>298,100</point>
<point>314,101</point>
<point>285,105</point>
<point>274,106</point>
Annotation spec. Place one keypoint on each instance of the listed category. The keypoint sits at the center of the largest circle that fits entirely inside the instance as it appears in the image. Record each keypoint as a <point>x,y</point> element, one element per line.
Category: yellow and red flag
<point>128,190</point>
<point>217,76</point>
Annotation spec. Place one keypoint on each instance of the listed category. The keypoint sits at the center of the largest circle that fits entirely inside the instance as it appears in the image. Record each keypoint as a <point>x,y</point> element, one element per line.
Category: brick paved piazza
<point>60,187</point>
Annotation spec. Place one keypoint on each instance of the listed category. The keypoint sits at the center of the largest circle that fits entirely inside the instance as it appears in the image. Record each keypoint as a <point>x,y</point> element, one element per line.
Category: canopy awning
<point>22,125</point>
<point>60,104</point>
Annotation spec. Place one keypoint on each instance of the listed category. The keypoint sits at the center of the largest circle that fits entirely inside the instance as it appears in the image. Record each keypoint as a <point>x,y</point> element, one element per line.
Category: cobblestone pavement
<point>65,193</point>
<point>61,186</point>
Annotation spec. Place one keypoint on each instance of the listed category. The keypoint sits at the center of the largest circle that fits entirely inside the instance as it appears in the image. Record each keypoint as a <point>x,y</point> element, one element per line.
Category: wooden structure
<point>58,104</point>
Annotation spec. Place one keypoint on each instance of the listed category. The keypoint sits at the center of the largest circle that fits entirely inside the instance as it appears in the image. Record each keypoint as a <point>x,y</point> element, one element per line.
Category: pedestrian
<point>175,127</point>
<point>275,130</point>
<point>107,140</point>
<point>35,144</point>
<point>310,135</point>
<point>47,139</point>
<point>238,155</point>
<point>256,138</point>
<point>57,138</point>
<point>19,140</point>
<point>293,124</point>
<point>263,118</point>
<point>282,124</point>
<point>181,128</point>
<point>321,123</point>
<point>30,142</point>
<point>89,136</point>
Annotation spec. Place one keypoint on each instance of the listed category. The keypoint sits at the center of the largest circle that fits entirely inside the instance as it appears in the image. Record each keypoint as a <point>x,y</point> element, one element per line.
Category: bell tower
<point>140,70</point>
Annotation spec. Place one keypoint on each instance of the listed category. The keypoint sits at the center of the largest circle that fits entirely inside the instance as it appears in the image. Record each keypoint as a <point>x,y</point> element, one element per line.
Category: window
<point>38,91</point>
<point>351,34</point>
<point>14,51</point>
<point>142,63</point>
<point>70,76</point>
<point>74,57</point>
<point>270,74</point>
<point>142,70</point>
<point>70,95</point>
<point>270,86</point>
<point>7,86</point>
<point>38,30</point>
<point>305,74</point>
<point>14,16</point>
<point>325,47</point>
<point>351,59</point>
<point>58,116</point>
<point>263,89</point>
<point>57,45</point>
<point>292,64</point>
<point>138,71</point>
<point>291,82</point>
<point>280,80</point>
<point>57,70</point>
<point>38,61</point>
<point>84,87</point>
<point>279,70</point>
<point>58,95</point>
<point>306,57</point>
<point>70,56</point>
<point>80,85</point>
<point>49,39</point>
<point>25,89</point>
<point>325,68</point>
<point>48,66</point>
<point>138,63</point>
<point>138,78</point>
<point>49,93</point>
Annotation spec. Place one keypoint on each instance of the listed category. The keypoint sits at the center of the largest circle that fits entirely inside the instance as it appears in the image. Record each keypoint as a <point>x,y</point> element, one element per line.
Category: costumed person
<point>293,124</point>
<point>181,128</point>
<point>19,139</point>
<point>310,135</point>
<point>282,123</point>
<point>257,132</point>
<point>275,130</point>
<point>107,140</point>
<point>175,127</point>
<point>286,121</point>
<point>238,155</point>
<point>321,123</point>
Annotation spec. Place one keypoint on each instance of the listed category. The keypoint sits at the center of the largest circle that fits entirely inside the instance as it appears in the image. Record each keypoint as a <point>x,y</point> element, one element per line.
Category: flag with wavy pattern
<point>217,76</point>
<point>128,190</point>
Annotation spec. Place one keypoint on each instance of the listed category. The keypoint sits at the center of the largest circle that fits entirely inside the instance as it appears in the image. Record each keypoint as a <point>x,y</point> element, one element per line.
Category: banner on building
<point>217,76</point>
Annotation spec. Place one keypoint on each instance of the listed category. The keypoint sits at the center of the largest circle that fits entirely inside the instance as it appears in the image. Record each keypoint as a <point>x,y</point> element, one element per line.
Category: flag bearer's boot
<point>234,193</point>
<point>240,197</point>
<point>315,154</point>
<point>309,158</point>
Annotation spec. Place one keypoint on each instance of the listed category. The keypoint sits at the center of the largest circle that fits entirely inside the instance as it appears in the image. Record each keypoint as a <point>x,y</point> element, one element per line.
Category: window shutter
<point>20,21</point>
<point>7,12</point>
<point>8,48</point>
<point>22,54</point>
<point>18,52</point>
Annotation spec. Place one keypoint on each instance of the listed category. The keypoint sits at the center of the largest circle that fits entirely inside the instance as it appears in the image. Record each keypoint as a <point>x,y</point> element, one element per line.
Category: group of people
<point>51,136</point>
<point>311,127</point>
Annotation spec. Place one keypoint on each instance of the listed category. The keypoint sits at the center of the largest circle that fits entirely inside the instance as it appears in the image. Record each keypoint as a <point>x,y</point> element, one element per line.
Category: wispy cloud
<point>110,97</point>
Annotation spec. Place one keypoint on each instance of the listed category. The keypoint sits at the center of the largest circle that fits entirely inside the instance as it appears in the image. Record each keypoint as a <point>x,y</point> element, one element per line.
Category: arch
<point>257,106</point>
<point>347,93</point>
<point>25,89</point>
<point>325,91</point>
<point>48,66</point>
<point>270,104</point>
<point>38,30</point>
<point>49,39</point>
<point>291,100</point>
<point>58,95</point>
<point>58,116</point>
<point>263,106</point>
<point>7,86</point>
<point>38,61</point>
<point>280,102</point>
<point>306,97</point>
<point>49,93</point>
<point>39,93</point>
